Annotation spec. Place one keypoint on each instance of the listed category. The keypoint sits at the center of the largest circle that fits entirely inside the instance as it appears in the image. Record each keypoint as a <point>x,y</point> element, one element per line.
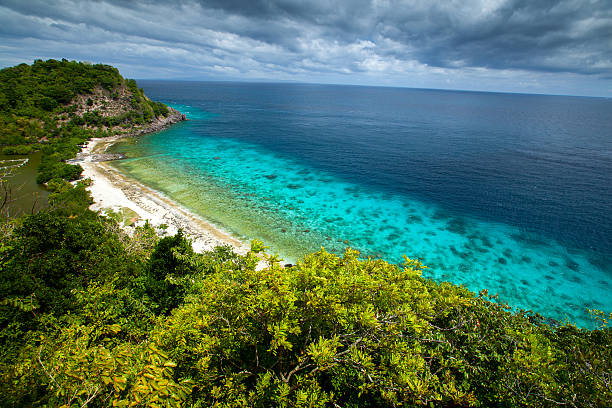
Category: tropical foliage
<point>93,316</point>
<point>48,105</point>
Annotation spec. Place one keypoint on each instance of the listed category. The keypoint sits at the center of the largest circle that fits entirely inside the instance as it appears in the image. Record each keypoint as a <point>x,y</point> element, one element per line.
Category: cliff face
<point>116,109</point>
<point>108,103</point>
<point>122,109</point>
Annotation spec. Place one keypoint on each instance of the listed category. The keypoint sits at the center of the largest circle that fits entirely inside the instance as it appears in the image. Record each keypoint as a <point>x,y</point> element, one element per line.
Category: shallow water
<point>25,196</point>
<point>317,169</point>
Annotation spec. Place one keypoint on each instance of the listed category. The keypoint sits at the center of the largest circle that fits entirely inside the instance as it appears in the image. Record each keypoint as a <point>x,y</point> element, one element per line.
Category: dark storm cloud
<point>547,35</point>
<point>300,37</point>
<point>533,35</point>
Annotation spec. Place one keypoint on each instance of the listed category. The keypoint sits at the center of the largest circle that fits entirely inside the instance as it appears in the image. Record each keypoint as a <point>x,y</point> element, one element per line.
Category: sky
<point>531,46</point>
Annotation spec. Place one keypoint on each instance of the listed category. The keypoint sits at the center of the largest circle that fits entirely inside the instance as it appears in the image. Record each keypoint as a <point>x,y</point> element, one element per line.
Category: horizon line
<point>267,81</point>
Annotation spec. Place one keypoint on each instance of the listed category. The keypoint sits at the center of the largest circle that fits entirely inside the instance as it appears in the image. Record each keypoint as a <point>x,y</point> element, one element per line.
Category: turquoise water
<point>254,192</point>
<point>254,188</point>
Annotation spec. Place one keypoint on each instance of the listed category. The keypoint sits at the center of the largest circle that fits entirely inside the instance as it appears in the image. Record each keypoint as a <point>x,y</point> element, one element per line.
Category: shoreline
<point>113,190</point>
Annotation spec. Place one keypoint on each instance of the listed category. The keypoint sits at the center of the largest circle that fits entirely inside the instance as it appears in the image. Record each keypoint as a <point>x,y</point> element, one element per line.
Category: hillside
<point>55,106</point>
<point>48,99</point>
<point>91,316</point>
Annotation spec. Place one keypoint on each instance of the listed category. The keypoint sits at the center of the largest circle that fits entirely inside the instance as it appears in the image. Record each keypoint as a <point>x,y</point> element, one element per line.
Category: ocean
<point>506,192</point>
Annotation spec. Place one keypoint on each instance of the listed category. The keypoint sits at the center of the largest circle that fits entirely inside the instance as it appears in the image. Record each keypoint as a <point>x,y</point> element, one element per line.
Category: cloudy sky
<point>540,46</point>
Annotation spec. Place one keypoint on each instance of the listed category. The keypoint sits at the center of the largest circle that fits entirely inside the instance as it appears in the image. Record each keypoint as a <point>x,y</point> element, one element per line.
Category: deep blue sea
<point>506,192</point>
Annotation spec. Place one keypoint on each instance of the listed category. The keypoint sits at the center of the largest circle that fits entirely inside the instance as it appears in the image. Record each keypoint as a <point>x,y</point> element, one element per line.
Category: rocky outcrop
<point>89,154</point>
<point>117,103</point>
<point>161,122</point>
<point>105,102</point>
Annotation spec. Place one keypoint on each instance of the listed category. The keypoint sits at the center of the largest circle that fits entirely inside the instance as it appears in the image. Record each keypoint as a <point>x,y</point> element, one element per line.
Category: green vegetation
<point>34,97</point>
<point>58,105</point>
<point>91,316</point>
<point>90,313</point>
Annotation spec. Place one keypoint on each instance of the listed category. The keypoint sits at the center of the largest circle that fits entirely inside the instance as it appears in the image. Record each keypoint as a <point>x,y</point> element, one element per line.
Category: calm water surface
<point>24,195</point>
<point>506,192</point>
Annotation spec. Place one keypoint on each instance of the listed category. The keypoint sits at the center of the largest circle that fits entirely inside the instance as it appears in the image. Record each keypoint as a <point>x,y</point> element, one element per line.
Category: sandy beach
<point>112,190</point>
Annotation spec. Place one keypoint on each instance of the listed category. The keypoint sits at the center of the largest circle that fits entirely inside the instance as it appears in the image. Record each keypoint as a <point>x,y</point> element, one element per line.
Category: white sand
<point>112,190</point>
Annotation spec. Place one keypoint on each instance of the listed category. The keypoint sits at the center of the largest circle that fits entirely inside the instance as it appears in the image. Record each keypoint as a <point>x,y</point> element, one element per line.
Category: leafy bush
<point>52,169</point>
<point>168,267</point>
<point>343,332</point>
<point>329,331</point>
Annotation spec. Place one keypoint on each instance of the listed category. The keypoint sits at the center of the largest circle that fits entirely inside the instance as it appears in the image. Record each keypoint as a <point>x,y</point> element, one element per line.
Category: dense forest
<point>94,315</point>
